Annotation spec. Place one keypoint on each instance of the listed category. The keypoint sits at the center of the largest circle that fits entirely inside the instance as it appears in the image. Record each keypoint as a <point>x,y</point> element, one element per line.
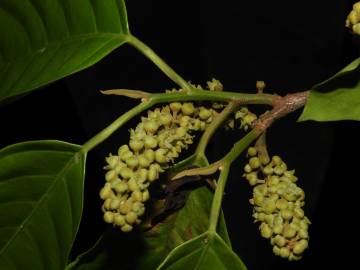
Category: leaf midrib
<point>43,197</point>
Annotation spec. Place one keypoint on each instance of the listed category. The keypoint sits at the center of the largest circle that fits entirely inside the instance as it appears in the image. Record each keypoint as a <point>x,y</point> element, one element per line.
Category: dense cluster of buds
<point>278,203</point>
<point>353,19</point>
<point>155,142</point>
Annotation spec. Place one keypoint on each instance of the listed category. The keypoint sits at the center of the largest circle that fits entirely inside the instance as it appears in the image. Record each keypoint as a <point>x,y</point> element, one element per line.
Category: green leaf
<point>43,41</point>
<point>205,252</point>
<point>191,221</point>
<point>337,98</point>
<point>41,196</point>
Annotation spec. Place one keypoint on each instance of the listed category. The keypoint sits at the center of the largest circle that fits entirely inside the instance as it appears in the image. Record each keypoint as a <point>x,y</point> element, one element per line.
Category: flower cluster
<point>353,19</point>
<point>155,142</point>
<point>278,203</point>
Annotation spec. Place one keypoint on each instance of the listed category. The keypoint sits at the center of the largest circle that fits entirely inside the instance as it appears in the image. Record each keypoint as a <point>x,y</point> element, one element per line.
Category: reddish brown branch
<point>281,107</point>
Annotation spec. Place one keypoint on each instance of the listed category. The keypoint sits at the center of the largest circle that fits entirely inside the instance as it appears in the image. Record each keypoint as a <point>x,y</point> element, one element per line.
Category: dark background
<point>290,45</point>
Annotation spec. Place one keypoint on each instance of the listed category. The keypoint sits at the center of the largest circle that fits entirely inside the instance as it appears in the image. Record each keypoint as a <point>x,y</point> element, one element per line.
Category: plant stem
<point>216,203</point>
<point>105,133</point>
<point>210,130</point>
<point>149,53</point>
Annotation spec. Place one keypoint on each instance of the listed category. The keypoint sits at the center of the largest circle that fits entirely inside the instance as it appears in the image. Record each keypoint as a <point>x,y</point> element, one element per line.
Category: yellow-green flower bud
<point>247,168</point>
<point>112,161</point>
<point>300,246</point>
<point>126,173</point>
<point>115,203</point>
<point>125,207</point>
<point>136,145</point>
<point>160,155</point>
<point>265,230</point>
<point>119,220</point>
<point>107,203</point>
<point>150,142</point>
<point>125,155</point>
<point>254,163</point>
<point>281,204</point>
<point>303,233</point>
<point>298,212</point>
<point>137,196</point>
<point>166,119</point>
<point>188,108</point>
<point>131,217</point>
<point>279,240</point>
<point>106,192</point>
<point>151,126</point>
<point>145,196</point>
<point>143,161</point>
<point>111,176</point>
<point>175,106</point>
<point>150,155</point>
<point>276,160</point>
<point>126,228</point>
<point>278,228</point>
<point>122,149</point>
<point>286,214</point>
<point>273,180</point>
<point>252,151</point>
<point>284,252</point>
<point>132,162</point>
<point>204,113</point>
<point>289,232</point>
<point>153,173</point>
<point>269,206</point>
<point>268,170</point>
<point>108,217</point>
<point>133,185</point>
<point>121,187</point>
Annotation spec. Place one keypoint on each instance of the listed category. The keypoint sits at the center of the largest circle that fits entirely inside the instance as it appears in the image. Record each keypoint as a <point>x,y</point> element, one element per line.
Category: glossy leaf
<point>189,222</point>
<point>205,252</point>
<point>41,196</point>
<point>43,41</point>
<point>338,98</point>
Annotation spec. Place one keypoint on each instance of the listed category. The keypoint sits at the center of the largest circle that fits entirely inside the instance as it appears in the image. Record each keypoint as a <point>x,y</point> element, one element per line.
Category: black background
<point>290,45</point>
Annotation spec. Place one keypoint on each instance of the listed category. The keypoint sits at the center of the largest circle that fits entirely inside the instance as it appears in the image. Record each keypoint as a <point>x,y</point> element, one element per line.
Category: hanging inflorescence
<point>353,19</point>
<point>155,142</point>
<point>278,203</point>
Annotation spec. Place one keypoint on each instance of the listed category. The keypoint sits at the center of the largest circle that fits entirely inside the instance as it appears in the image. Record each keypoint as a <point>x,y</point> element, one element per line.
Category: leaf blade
<point>43,41</point>
<point>50,176</point>
<point>337,98</point>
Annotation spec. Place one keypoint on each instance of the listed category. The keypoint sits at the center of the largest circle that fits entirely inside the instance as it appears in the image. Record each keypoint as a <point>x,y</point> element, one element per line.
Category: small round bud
<point>254,163</point>
<point>150,142</point>
<point>278,228</point>
<point>204,113</point>
<point>143,161</point>
<point>265,231</point>
<point>153,173</point>
<point>107,203</point>
<point>136,145</point>
<point>126,228</point>
<point>151,126</point>
<point>119,220</point>
<point>286,214</point>
<point>131,217</point>
<point>300,246</point>
<point>284,252</point>
<point>110,176</point>
<point>122,149</point>
<point>175,106</point>
<point>150,155</point>
<point>252,151</point>
<point>132,162</point>
<point>115,203</point>
<point>276,160</point>
<point>289,232</point>
<point>187,108</point>
<point>299,213</point>
<point>108,217</point>
<point>269,206</point>
<point>105,193</point>
<point>258,199</point>
<point>137,196</point>
<point>145,196</point>
<point>133,185</point>
<point>126,173</point>
<point>281,204</point>
<point>112,161</point>
<point>166,119</point>
<point>276,250</point>
<point>121,187</point>
<point>273,180</point>
<point>160,155</point>
<point>249,118</point>
<point>279,240</point>
<point>268,170</point>
<point>303,233</point>
<point>247,168</point>
<point>125,207</point>
<point>125,155</point>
